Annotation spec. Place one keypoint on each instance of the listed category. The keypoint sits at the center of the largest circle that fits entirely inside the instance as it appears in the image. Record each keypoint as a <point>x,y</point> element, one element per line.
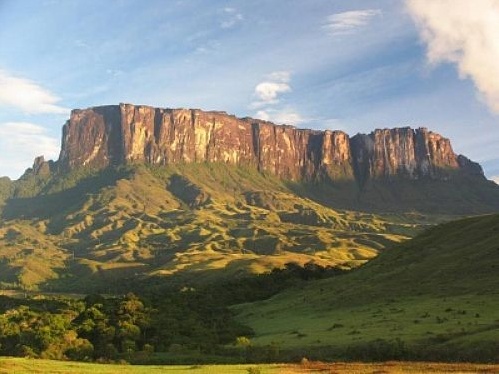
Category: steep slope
<point>189,221</point>
<point>368,172</point>
<point>436,293</point>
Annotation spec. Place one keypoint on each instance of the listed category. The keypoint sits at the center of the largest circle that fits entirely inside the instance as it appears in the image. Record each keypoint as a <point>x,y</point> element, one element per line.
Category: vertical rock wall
<point>112,135</point>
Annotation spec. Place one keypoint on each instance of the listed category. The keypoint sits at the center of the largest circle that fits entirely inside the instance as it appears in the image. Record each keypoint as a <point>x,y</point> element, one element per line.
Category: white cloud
<point>287,116</point>
<point>267,92</point>
<point>495,179</point>
<point>280,76</point>
<point>262,114</point>
<point>232,18</point>
<point>20,143</point>
<point>464,33</point>
<point>28,96</point>
<point>348,22</point>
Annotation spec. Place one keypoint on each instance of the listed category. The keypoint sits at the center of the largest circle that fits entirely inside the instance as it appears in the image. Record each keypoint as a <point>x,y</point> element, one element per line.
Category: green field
<point>439,290</point>
<point>28,366</point>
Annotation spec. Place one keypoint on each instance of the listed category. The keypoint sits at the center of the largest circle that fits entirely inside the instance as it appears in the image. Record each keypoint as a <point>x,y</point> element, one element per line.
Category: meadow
<point>433,298</point>
<point>29,366</point>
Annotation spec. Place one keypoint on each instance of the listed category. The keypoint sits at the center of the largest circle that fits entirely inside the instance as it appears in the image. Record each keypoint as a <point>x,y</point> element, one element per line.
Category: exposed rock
<point>40,166</point>
<point>403,152</point>
<point>111,135</point>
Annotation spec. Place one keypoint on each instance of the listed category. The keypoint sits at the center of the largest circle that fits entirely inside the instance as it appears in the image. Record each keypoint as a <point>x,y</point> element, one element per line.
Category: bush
<point>82,350</point>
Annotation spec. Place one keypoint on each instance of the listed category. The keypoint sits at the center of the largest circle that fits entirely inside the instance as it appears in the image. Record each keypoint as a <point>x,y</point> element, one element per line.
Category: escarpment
<point>120,134</point>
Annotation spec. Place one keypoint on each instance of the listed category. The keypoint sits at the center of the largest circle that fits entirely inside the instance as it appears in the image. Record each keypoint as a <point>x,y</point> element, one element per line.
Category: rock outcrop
<point>113,135</point>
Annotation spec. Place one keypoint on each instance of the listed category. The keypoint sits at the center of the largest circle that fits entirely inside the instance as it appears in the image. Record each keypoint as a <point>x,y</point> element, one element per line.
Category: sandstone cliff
<point>112,135</point>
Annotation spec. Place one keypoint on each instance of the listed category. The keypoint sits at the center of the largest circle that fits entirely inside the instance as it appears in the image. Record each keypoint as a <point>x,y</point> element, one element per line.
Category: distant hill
<point>436,295</point>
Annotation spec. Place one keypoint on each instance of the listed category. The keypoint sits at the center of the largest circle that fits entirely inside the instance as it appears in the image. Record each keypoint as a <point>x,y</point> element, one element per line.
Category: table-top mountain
<point>118,134</point>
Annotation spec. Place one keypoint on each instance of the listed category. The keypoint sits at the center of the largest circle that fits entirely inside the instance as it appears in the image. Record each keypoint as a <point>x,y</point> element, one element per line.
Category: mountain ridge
<point>388,170</point>
<point>125,133</point>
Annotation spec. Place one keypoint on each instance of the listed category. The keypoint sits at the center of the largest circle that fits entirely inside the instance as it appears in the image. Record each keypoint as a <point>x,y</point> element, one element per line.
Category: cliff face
<point>112,135</point>
<point>405,152</point>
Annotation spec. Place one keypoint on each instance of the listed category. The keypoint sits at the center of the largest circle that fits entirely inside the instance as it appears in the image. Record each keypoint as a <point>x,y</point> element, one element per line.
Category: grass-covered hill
<point>96,230</point>
<point>433,297</point>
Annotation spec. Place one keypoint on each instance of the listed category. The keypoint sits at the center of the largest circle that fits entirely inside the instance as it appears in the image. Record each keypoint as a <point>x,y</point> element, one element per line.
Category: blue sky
<point>349,65</point>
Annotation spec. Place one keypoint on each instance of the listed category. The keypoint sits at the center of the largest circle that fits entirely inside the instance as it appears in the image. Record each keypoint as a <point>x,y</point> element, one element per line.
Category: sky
<point>325,64</point>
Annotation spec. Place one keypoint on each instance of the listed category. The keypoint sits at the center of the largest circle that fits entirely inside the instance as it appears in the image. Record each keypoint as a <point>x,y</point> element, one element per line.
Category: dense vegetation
<point>125,328</point>
<point>186,321</point>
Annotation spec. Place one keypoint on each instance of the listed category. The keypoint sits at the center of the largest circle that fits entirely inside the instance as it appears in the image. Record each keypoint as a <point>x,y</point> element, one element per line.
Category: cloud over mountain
<point>464,33</point>
<point>21,142</point>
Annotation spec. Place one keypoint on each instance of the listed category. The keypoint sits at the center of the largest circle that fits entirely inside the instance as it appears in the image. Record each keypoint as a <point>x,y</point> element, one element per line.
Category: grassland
<point>438,291</point>
<point>196,221</point>
<point>29,366</point>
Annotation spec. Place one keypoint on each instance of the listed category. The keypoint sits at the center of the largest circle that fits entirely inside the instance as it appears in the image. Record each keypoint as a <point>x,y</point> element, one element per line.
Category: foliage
<point>113,328</point>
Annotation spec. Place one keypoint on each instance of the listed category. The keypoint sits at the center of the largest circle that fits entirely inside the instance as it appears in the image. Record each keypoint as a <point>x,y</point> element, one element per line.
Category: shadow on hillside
<point>457,196</point>
<point>87,278</point>
<point>53,205</point>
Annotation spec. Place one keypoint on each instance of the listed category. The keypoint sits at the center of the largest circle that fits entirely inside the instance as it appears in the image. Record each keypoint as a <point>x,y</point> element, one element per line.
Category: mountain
<point>140,192</point>
<point>113,135</point>
<point>398,169</point>
<point>435,295</point>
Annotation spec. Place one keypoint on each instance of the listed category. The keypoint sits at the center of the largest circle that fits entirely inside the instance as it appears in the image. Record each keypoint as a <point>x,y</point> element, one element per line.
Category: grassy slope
<point>440,288</point>
<point>90,229</point>
<point>25,366</point>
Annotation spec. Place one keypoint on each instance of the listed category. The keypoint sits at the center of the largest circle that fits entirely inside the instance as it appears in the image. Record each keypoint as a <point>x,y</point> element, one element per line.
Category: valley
<point>359,249</point>
<point>249,187</point>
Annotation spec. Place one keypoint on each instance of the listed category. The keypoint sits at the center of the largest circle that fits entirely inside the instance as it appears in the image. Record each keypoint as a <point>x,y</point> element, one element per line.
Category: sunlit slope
<point>191,221</point>
<point>439,291</point>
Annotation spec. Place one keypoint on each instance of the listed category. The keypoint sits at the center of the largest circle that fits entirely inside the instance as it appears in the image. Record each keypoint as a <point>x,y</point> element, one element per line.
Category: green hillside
<point>433,297</point>
<point>87,229</point>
